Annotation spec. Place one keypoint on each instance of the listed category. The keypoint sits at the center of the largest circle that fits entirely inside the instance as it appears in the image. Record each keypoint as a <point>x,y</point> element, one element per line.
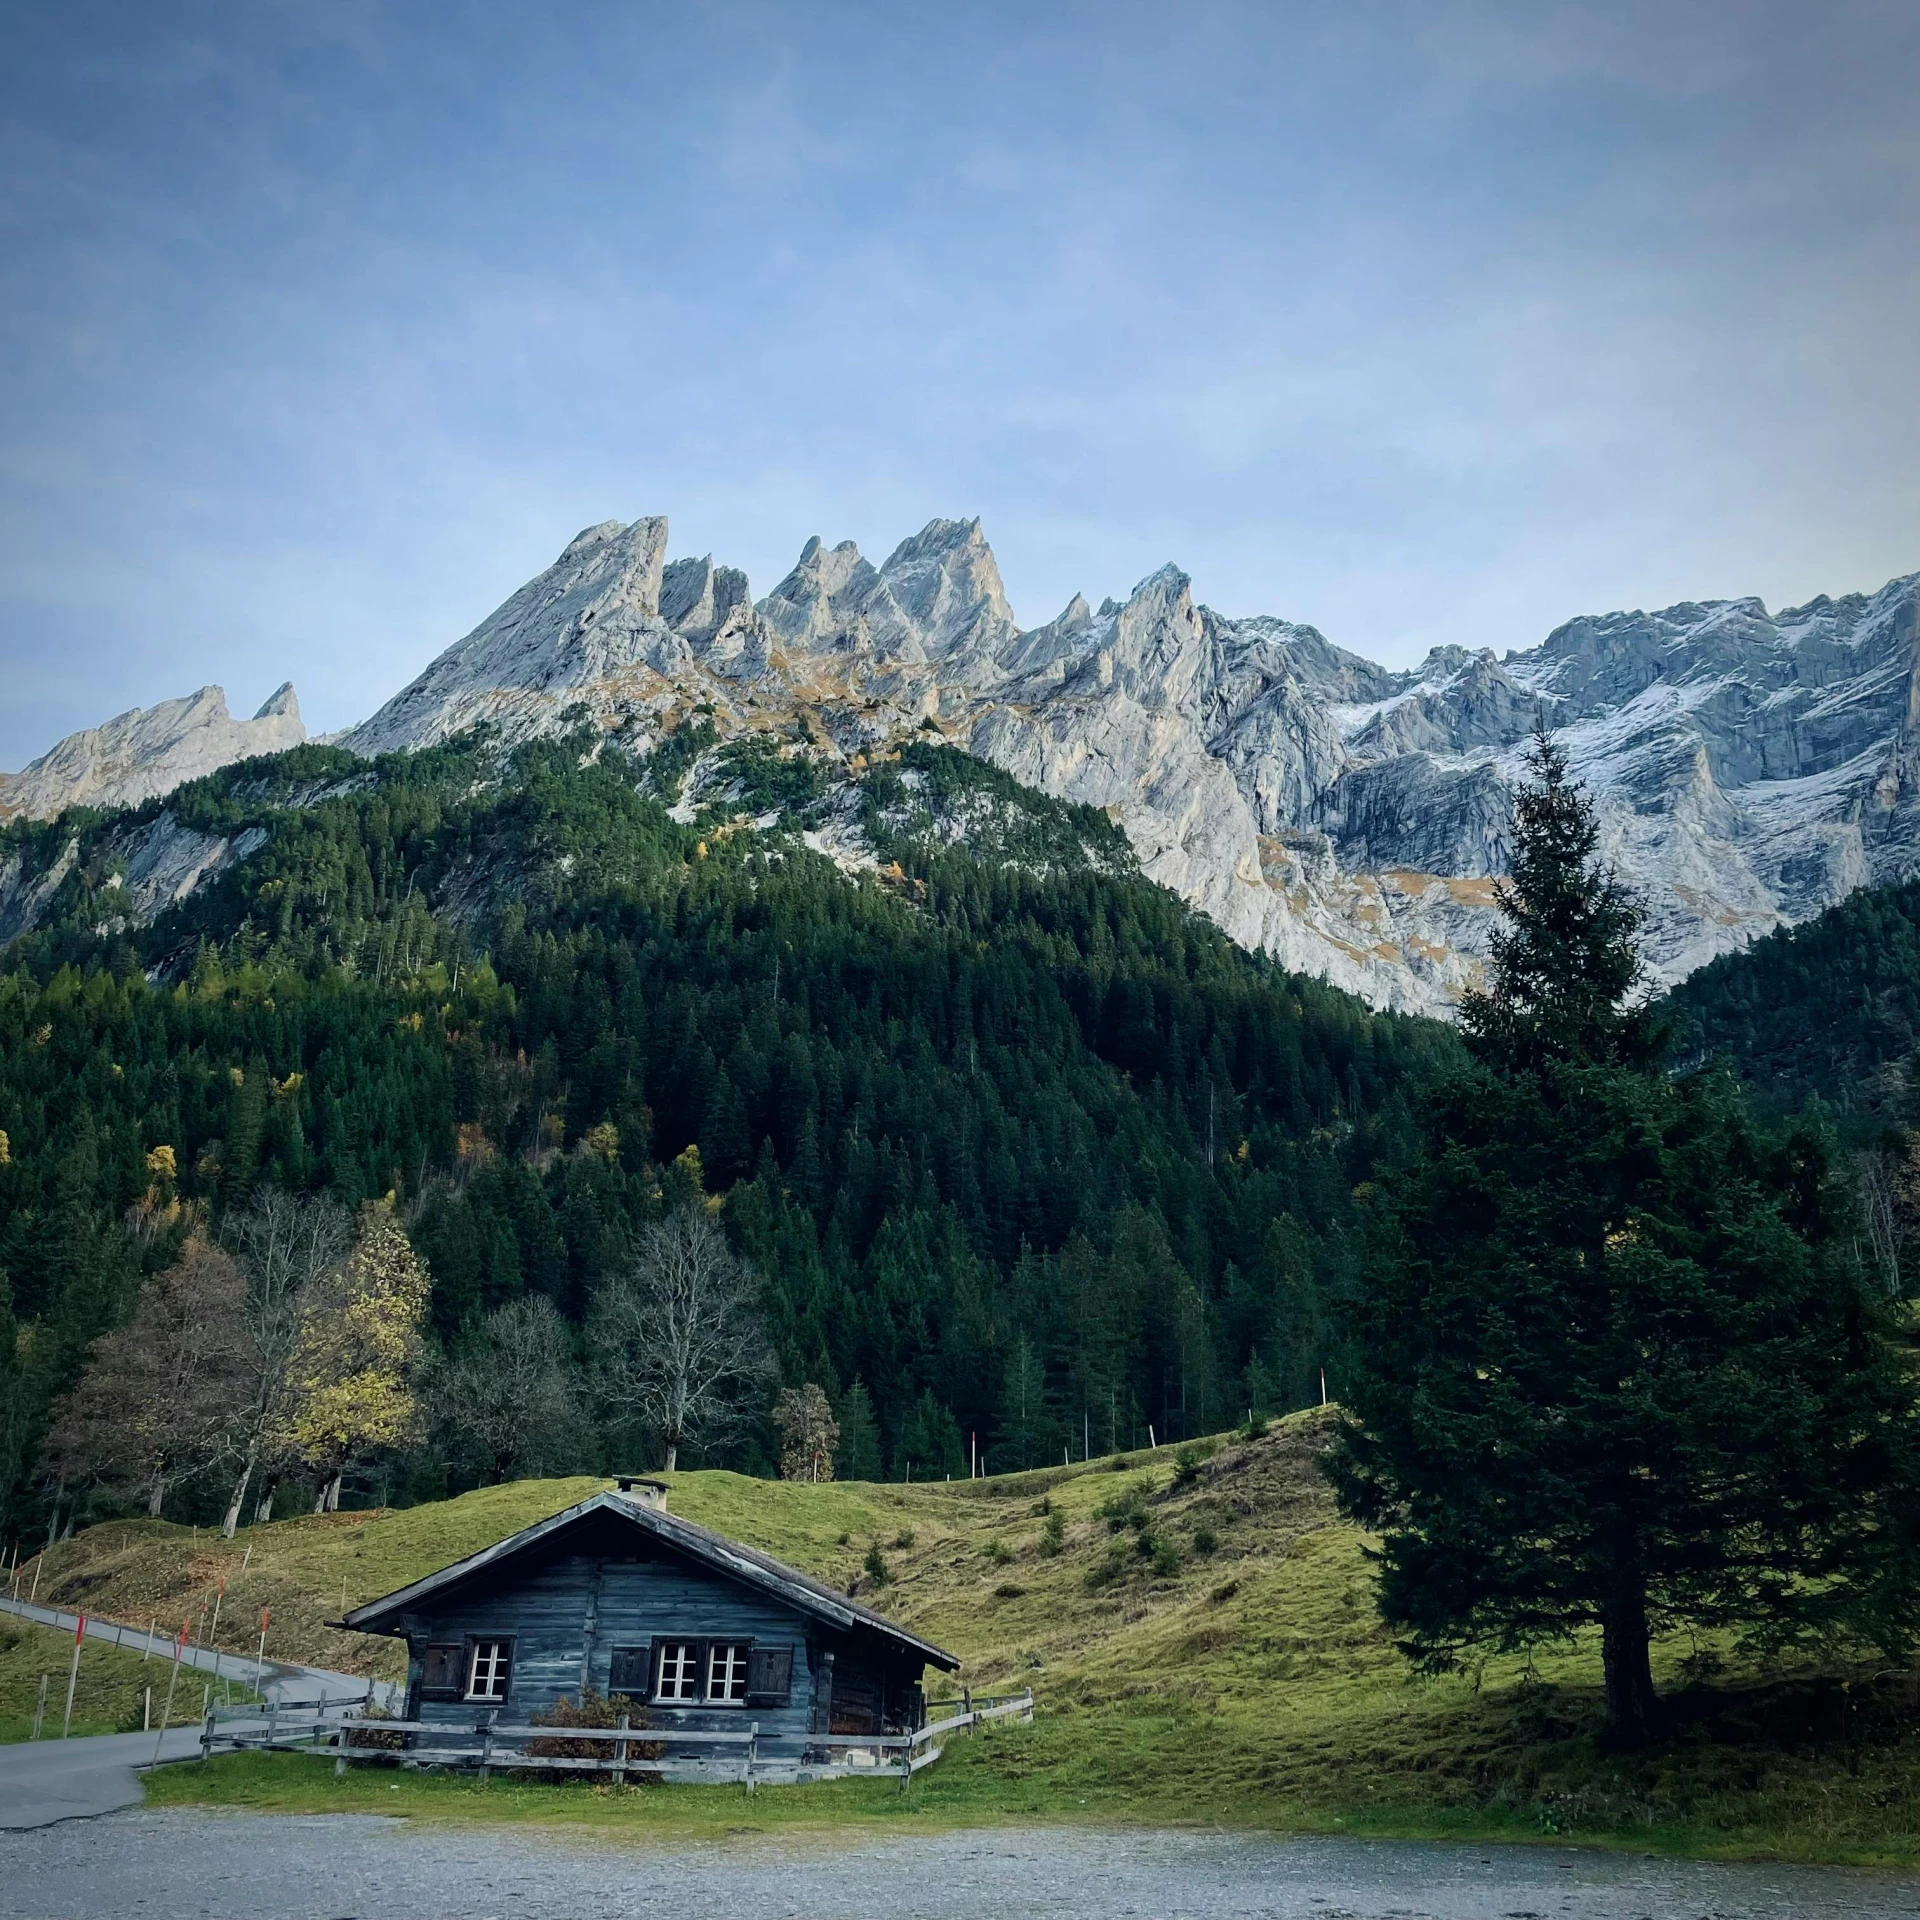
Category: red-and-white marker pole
<point>73,1673</point>
<point>166,1713</point>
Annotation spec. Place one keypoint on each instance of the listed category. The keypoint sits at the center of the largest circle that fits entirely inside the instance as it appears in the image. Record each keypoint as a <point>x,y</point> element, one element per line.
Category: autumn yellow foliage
<point>359,1344</point>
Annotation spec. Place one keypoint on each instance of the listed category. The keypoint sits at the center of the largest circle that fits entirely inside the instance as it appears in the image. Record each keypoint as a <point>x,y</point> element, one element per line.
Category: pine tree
<point>859,1435</point>
<point>1619,1366</point>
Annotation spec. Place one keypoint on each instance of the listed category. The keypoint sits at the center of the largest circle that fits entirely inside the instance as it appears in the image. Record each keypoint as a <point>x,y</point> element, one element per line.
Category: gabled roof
<point>701,1544</point>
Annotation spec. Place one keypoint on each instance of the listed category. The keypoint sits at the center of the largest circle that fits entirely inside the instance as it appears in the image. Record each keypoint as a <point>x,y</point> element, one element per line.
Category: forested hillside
<point>1020,1147</point>
<point>1831,1008</point>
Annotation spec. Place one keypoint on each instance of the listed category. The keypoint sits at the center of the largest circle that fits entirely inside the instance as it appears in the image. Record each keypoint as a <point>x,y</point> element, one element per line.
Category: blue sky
<point>323,326</point>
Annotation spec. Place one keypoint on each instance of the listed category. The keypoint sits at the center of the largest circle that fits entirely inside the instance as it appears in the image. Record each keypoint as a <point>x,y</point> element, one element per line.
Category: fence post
<point>620,1749</point>
<point>206,1730</point>
<point>486,1749</point>
<point>753,1732</point>
<point>273,1709</point>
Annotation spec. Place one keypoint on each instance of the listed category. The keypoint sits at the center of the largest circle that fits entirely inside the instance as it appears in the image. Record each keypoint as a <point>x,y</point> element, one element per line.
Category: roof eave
<point>383,1616</point>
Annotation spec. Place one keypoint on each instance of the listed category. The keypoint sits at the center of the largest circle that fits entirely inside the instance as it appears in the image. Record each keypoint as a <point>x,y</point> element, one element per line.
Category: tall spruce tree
<point>1619,1365</point>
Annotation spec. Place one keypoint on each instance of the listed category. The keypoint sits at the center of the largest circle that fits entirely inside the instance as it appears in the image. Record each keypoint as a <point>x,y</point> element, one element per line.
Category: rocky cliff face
<point>1750,768</point>
<point>147,753</point>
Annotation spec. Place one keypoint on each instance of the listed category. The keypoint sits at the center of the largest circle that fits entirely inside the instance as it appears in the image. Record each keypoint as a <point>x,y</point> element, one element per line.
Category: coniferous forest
<point>1027,1157</point>
<point>1827,1010</point>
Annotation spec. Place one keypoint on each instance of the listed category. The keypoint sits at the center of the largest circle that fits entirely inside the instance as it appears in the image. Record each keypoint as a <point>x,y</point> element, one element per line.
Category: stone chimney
<point>643,1493</point>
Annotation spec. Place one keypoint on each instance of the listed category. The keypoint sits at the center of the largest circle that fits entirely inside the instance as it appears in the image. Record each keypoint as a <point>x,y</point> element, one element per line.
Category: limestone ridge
<point>1751,768</point>
<point>148,752</point>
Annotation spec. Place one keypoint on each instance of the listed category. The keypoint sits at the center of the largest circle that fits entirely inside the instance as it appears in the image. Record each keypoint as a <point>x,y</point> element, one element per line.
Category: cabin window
<point>692,1673</point>
<point>727,1673</point>
<point>679,1671</point>
<point>487,1663</point>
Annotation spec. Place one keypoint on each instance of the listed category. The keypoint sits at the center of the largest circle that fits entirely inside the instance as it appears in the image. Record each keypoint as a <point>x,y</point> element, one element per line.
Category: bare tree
<point>152,1407</point>
<point>288,1244</point>
<point>809,1434</point>
<point>1880,1206</point>
<point>511,1401</point>
<point>677,1341</point>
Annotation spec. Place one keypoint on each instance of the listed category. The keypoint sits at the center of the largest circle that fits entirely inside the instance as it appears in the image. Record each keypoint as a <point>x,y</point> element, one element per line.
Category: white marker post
<point>73,1674</point>
<point>166,1713</point>
<point>213,1632</point>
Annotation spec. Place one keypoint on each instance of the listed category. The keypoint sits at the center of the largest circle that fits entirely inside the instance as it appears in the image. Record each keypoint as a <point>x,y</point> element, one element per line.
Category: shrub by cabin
<point>690,1630</point>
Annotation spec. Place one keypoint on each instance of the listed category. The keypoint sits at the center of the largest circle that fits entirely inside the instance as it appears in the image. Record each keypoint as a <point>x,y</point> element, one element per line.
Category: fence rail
<point>746,1754</point>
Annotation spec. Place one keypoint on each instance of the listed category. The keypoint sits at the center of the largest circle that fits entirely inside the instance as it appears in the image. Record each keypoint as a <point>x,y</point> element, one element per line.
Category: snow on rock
<point>1750,768</point>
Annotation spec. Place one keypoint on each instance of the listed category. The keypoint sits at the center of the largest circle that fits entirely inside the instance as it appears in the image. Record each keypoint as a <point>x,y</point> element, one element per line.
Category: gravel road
<point>230,1866</point>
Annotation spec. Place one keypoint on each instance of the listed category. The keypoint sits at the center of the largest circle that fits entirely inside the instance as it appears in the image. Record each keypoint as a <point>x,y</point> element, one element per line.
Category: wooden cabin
<point>618,1596</point>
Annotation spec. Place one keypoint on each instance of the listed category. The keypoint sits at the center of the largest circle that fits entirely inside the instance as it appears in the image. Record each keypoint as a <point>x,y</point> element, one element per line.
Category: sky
<point>324,326</point>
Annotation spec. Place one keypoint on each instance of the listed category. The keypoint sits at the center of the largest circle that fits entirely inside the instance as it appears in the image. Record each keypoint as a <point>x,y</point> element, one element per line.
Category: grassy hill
<point>106,1698</point>
<point>1201,1641</point>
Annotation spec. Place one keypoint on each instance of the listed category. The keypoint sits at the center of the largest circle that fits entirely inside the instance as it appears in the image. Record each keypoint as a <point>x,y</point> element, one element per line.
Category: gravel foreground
<point>233,1866</point>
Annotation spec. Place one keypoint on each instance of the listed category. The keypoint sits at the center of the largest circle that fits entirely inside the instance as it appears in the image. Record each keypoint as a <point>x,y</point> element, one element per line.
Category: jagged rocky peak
<point>1346,818</point>
<point>1151,648</point>
<point>590,616</point>
<point>821,604</point>
<point>698,599</point>
<point>938,598</point>
<point>940,595</point>
<point>147,752</point>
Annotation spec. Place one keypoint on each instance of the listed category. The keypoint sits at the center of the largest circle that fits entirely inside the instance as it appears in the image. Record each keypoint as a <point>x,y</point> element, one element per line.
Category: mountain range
<point>1751,768</point>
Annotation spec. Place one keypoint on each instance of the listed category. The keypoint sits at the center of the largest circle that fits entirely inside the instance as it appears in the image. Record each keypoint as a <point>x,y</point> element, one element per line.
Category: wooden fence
<point>744,1755</point>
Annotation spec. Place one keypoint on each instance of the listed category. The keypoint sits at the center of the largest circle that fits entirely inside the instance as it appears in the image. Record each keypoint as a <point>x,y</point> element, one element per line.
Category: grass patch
<point>107,1697</point>
<point>1247,1682</point>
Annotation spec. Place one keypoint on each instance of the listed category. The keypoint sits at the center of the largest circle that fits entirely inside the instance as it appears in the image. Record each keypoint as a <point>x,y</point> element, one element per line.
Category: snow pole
<point>166,1713</point>
<point>73,1674</point>
<point>213,1632</point>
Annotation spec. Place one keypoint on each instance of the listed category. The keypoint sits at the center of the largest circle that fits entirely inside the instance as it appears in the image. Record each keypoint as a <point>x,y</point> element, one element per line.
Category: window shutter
<point>631,1672</point>
<point>653,1668</point>
<point>441,1677</point>
<point>769,1676</point>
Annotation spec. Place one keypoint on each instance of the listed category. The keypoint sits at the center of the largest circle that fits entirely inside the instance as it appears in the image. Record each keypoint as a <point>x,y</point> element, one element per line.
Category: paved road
<point>46,1780</point>
<point>231,1866</point>
<point>274,1678</point>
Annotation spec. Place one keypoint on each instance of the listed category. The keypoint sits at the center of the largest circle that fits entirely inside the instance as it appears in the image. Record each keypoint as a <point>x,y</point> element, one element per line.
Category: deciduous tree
<point>152,1407</point>
<point>289,1245</point>
<point>360,1340</point>
<point>509,1402</point>
<point>678,1342</point>
<point>809,1434</point>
